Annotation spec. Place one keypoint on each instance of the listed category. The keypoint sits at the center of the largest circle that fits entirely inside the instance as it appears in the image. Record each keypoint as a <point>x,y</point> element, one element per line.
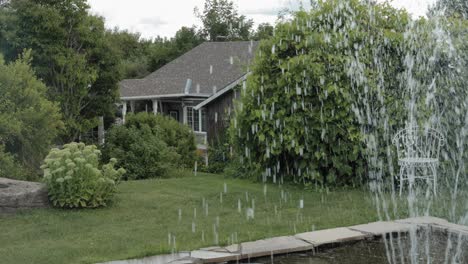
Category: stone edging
<point>300,242</point>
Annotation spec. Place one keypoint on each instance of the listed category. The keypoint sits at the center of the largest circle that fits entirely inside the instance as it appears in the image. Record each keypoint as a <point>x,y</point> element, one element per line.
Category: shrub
<point>295,120</point>
<point>75,178</point>
<point>176,135</point>
<point>9,168</point>
<point>219,154</point>
<point>141,150</point>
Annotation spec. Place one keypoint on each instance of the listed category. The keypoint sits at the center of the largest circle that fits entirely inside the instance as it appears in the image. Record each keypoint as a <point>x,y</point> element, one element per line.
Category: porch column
<point>124,111</point>
<point>200,120</point>
<point>155,107</point>
<point>161,107</point>
<point>184,114</point>
<point>132,106</point>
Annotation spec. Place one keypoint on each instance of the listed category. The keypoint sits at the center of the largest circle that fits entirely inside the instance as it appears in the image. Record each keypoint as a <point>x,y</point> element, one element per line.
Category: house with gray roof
<point>197,89</point>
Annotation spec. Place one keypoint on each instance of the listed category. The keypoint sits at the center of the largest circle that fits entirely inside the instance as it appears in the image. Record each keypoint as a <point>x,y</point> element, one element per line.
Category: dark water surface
<point>374,252</point>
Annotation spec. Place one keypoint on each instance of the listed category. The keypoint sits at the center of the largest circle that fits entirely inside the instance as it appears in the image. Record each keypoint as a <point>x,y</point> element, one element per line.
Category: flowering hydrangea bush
<point>75,178</point>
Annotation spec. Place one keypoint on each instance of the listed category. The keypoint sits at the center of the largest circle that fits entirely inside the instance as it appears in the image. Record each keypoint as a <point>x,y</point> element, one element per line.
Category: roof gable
<point>211,66</point>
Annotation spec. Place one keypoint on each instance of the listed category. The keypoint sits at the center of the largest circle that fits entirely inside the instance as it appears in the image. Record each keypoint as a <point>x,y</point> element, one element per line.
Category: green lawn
<point>145,213</point>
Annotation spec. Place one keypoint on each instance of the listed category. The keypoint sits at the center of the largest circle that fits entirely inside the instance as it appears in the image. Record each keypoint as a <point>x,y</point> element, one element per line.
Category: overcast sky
<point>164,17</point>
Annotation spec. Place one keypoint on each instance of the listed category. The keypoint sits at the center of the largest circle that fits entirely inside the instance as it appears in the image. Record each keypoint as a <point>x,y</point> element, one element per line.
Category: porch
<point>180,109</point>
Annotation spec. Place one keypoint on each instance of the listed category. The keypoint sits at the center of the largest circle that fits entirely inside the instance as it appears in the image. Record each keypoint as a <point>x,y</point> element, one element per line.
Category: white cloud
<point>155,21</point>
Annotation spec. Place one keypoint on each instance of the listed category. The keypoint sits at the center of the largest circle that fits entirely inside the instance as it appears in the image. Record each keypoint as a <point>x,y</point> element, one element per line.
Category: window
<point>203,120</point>
<point>174,114</point>
<point>196,119</point>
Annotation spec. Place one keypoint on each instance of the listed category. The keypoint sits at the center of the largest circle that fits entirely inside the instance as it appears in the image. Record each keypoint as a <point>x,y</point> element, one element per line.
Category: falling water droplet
<point>250,214</point>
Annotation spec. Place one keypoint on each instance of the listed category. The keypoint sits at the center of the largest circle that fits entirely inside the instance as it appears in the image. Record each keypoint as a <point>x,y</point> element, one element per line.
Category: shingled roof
<point>210,67</point>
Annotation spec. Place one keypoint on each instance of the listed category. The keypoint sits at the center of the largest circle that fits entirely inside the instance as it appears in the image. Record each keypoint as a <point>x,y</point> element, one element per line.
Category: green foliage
<point>149,146</point>
<point>140,150</point>
<point>295,120</point>
<point>163,51</point>
<point>70,54</point>
<point>28,121</point>
<point>219,154</point>
<point>454,8</point>
<point>264,31</point>
<point>141,56</point>
<point>221,20</point>
<point>218,157</point>
<point>133,51</point>
<point>75,178</point>
<point>177,136</point>
<point>10,167</point>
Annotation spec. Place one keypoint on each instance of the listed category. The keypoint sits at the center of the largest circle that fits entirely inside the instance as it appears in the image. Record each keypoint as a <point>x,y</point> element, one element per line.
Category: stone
<point>187,260</point>
<point>437,224</point>
<point>452,228</point>
<point>382,228</point>
<point>424,220</point>
<point>267,247</point>
<point>16,195</point>
<point>300,242</point>
<point>217,249</point>
<point>330,236</point>
<point>183,257</point>
<point>207,256</point>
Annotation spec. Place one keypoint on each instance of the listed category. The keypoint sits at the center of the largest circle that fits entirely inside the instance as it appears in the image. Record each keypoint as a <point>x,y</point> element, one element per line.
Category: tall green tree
<point>163,51</point>
<point>133,51</point>
<point>457,8</point>
<point>29,122</point>
<point>295,119</point>
<point>141,56</point>
<point>264,31</point>
<point>71,54</point>
<point>221,21</point>
<point>186,38</point>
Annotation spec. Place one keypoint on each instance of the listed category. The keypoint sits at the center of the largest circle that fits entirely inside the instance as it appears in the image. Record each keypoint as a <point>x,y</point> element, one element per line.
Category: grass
<point>146,213</point>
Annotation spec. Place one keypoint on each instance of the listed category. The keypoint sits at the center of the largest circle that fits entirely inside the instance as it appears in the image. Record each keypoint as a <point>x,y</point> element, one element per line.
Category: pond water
<point>375,252</point>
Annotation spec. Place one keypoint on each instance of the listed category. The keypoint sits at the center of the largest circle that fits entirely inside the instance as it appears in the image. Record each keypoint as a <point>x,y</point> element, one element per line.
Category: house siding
<point>219,113</point>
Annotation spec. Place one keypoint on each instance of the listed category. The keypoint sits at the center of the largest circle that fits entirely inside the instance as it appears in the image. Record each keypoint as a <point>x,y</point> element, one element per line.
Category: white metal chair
<point>418,152</point>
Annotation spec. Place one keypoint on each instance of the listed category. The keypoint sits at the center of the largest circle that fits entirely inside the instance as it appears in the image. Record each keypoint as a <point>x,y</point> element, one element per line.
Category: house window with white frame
<point>196,119</point>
